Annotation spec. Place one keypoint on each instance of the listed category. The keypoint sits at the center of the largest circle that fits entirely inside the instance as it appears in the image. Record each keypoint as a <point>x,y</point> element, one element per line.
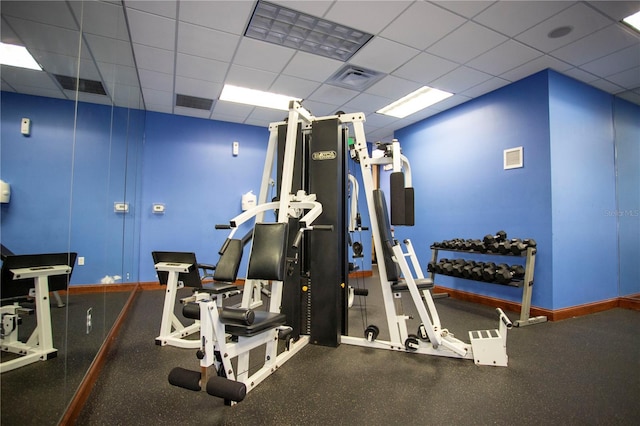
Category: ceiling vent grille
<point>193,102</point>
<point>83,85</point>
<point>513,158</point>
<point>352,77</point>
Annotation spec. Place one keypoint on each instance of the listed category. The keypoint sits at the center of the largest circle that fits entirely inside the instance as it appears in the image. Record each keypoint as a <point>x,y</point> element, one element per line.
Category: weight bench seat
<point>217,288</point>
<point>263,321</point>
<point>421,283</point>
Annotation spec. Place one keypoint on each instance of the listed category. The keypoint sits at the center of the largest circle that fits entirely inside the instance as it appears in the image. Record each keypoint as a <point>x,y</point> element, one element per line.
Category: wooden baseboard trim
<point>99,288</point>
<point>82,393</point>
<point>361,274</point>
<point>628,302</point>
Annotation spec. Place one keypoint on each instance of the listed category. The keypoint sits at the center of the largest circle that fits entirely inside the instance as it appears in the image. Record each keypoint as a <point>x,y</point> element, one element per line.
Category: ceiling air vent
<point>352,77</point>
<point>513,158</point>
<point>83,85</point>
<point>193,102</point>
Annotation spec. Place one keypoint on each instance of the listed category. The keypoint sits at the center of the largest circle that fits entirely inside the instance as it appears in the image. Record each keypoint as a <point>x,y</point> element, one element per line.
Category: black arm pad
<point>237,315</point>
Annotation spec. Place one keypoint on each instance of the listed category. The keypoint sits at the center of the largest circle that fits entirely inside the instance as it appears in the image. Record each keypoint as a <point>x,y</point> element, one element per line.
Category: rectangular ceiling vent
<point>353,77</point>
<point>83,85</point>
<point>513,158</point>
<point>193,102</point>
<point>280,25</point>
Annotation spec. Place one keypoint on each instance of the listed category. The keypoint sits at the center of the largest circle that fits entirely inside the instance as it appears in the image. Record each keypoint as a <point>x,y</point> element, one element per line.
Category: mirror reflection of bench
<point>4,252</point>
<point>20,274</point>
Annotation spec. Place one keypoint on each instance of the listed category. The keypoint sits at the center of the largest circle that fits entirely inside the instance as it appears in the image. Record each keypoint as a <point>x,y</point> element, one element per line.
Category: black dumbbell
<point>503,274</point>
<point>468,267</point>
<point>521,246</point>
<point>476,271</point>
<point>458,267</point>
<point>438,266</point>
<point>518,271</point>
<point>489,271</point>
<point>500,236</point>
<point>431,267</point>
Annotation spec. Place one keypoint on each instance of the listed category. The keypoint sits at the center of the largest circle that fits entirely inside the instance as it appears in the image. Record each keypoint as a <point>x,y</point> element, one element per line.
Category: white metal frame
<point>39,346</point>
<point>487,347</point>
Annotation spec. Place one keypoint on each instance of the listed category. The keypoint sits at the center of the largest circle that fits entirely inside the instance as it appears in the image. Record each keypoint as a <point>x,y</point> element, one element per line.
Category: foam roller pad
<point>226,389</point>
<point>238,315</point>
<point>184,378</point>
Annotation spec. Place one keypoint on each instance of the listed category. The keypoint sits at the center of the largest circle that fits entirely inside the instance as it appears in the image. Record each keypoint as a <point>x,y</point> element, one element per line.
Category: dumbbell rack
<point>526,283</point>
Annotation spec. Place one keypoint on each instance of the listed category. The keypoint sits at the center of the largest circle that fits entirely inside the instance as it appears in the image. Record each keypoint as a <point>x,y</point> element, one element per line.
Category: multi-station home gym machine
<point>308,271</point>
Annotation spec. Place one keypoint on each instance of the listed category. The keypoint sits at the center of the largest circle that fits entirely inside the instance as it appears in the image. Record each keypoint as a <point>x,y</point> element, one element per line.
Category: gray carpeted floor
<point>584,370</point>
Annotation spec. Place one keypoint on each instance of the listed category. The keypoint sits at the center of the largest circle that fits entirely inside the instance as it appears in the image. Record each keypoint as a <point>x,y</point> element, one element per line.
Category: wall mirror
<point>74,180</point>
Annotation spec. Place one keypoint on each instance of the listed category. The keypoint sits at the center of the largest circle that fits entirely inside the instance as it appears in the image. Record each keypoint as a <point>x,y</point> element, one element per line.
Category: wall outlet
<point>235,148</point>
<point>80,260</point>
<point>25,126</point>
<point>121,207</point>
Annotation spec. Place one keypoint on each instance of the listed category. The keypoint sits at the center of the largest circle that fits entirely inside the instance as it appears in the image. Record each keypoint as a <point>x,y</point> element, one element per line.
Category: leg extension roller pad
<point>226,389</point>
<point>184,378</point>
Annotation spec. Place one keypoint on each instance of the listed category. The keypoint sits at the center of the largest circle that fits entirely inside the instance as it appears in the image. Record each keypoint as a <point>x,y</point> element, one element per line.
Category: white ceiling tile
<point>582,18</point>
<point>534,66</point>
<point>262,55</point>
<point>320,109</point>
<point>581,75</point>
<point>46,12</point>
<point>369,16</point>
<point>380,120</point>
<point>230,16</point>
<point>606,86</point>
<point>460,79</point>
<point>425,68</point>
<point>166,8</point>
<point>513,17</point>
<point>503,58</point>
<point>155,59</point>
<point>467,42</point>
<point>48,37</point>
<point>312,67</point>
<point>468,9</point>
<point>66,65</point>
<point>152,30</point>
<point>155,80</point>
<point>316,8</point>
<point>249,77</point>
<point>421,25</point>
<point>366,103</point>
<point>629,79</point>
<point>158,97</point>
<point>7,35</point>
<point>201,68</point>
<point>597,45</point>
<point>191,112</point>
<point>198,88</point>
<point>393,87</point>
<point>205,42</point>
<point>25,77</point>
<point>630,96</point>
<point>231,109</point>
<point>293,86</point>
<point>450,102</point>
<point>167,109</point>
<point>332,95</point>
<point>616,10</point>
<point>264,116</point>
<point>615,62</point>
<point>127,97</point>
<point>118,73</point>
<point>106,49</point>
<point>101,18</point>
<point>90,98</point>
<point>486,87</point>
<point>40,91</point>
<point>383,55</point>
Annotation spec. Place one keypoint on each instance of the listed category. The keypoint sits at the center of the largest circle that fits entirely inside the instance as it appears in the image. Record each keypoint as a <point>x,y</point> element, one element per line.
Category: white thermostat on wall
<point>25,126</point>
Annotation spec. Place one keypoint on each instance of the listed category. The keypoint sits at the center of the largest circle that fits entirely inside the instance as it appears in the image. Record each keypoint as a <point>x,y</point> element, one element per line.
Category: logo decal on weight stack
<point>324,155</point>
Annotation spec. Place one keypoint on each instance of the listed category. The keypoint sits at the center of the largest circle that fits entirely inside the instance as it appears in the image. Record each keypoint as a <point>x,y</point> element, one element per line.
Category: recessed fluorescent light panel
<point>633,21</point>
<point>254,97</point>
<point>414,102</point>
<point>17,56</point>
<point>287,27</point>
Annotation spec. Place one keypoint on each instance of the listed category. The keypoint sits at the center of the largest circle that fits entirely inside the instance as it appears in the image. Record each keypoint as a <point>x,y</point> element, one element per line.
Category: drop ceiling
<point>146,53</point>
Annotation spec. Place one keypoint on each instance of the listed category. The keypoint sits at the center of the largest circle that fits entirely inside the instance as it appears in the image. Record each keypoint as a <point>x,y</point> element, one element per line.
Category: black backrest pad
<point>268,252</point>
<point>190,279</point>
<point>18,288</point>
<point>229,262</point>
<point>380,205</point>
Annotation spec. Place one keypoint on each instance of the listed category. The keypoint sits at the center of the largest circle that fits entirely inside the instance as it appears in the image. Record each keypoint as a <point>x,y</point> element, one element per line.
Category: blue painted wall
<point>463,191</point>
<point>583,181</point>
<point>627,133</point>
<point>564,196</point>
<point>189,167</point>
<point>64,184</point>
